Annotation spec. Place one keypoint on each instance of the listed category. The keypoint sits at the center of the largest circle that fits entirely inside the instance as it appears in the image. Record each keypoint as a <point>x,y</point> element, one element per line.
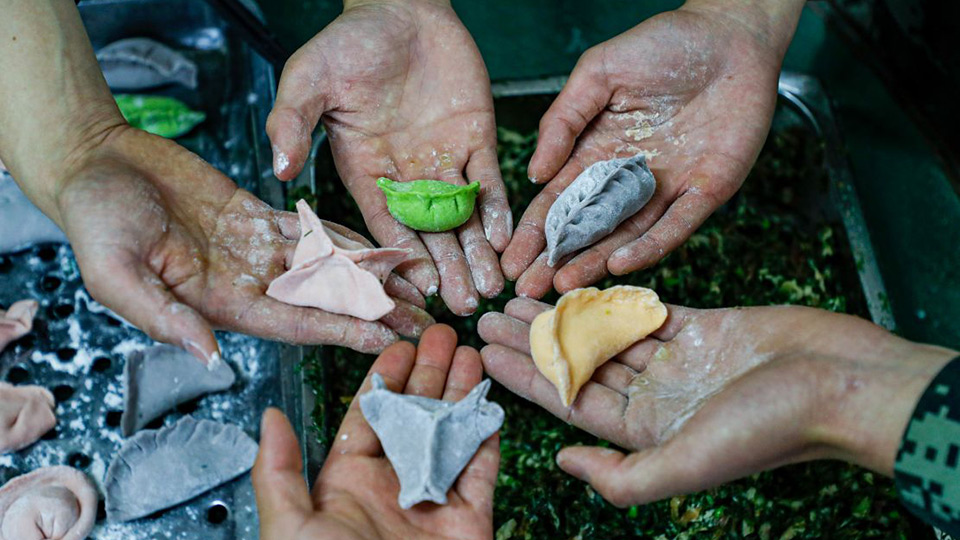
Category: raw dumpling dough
<point>589,327</point>
<point>158,379</point>
<point>17,321</point>
<point>157,469</point>
<point>53,503</point>
<point>429,441</point>
<point>336,274</point>
<point>430,205</point>
<point>26,413</point>
<point>142,63</point>
<point>21,223</point>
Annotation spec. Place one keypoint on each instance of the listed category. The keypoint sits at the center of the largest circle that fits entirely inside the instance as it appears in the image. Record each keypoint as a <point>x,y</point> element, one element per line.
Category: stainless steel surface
<point>78,347</point>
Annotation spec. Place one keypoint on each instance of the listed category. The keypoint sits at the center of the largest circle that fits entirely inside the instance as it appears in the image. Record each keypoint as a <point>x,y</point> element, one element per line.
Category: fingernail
<point>212,362</point>
<point>432,290</point>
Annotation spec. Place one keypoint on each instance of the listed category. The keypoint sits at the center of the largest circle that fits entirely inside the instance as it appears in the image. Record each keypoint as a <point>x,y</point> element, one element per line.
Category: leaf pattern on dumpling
<point>593,205</point>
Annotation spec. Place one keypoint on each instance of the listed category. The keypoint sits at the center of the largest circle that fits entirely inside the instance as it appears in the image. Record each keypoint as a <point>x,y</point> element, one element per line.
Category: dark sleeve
<point>927,470</point>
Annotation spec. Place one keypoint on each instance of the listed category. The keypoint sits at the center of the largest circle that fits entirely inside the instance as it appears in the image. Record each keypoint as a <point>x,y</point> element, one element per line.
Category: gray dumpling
<point>141,64</point>
<point>21,223</point>
<point>429,441</point>
<point>159,378</point>
<point>157,469</point>
<point>600,199</point>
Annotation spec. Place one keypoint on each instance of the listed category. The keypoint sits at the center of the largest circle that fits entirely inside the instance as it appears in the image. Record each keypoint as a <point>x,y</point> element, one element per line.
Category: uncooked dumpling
<point>21,223</point>
<point>589,327</point>
<point>53,503</point>
<point>26,413</point>
<point>429,441</point>
<point>335,274</point>
<point>142,63</point>
<point>157,469</point>
<point>17,321</point>
<point>159,378</point>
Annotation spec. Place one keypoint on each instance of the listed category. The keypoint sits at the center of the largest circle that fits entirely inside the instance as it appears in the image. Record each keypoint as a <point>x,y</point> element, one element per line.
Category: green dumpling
<point>163,116</point>
<point>430,205</point>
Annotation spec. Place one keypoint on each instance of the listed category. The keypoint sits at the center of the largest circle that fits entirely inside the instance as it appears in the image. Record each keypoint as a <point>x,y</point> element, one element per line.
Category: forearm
<point>54,102</point>
<point>772,22</point>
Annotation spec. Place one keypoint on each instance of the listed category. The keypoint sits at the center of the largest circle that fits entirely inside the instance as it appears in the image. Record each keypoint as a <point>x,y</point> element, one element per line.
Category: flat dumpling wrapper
<point>589,327</point>
<point>157,469</point>
<point>142,63</point>
<point>52,503</point>
<point>159,378</point>
<point>26,413</point>
<point>602,197</point>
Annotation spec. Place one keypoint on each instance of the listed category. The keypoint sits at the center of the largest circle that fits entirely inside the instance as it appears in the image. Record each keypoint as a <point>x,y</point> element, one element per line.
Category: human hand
<point>177,249</point>
<point>694,90</point>
<point>716,395</point>
<point>356,493</point>
<point>403,93</point>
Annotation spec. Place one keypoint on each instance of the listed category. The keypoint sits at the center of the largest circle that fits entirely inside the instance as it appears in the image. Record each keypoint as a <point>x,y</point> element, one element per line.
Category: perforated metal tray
<point>78,347</point>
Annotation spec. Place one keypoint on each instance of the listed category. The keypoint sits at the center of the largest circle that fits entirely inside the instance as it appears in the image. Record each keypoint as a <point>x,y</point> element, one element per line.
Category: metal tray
<point>78,347</point>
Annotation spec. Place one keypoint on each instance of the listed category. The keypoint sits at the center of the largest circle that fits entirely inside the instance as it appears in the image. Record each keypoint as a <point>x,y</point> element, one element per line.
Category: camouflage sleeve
<point>926,469</point>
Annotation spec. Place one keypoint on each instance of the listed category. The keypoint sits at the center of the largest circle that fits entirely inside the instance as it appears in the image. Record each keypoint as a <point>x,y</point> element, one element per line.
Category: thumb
<point>138,295</point>
<point>583,97</point>
<point>283,500</point>
<point>301,100</point>
<point>624,480</point>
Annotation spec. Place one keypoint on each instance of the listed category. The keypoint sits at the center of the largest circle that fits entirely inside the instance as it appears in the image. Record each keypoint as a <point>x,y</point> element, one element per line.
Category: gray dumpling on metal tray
<point>21,223</point>
<point>602,197</point>
<point>142,63</point>
<point>159,378</point>
<point>157,469</point>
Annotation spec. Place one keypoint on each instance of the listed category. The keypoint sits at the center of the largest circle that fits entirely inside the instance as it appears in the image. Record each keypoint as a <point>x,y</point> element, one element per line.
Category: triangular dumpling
<point>157,469</point>
<point>52,502</point>
<point>589,327</point>
<point>159,378</point>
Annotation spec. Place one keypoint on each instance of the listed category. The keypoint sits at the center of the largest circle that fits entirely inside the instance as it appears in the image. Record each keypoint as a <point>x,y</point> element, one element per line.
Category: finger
<point>529,241</point>
<point>301,100</point>
<point>456,284</point>
<point>466,371</point>
<point>407,319</point>
<point>139,296</point>
<point>289,225</point>
<point>482,260</point>
<point>583,97</point>
<point>683,217</point>
<point>402,289</point>
<point>494,205</point>
<point>434,355</point>
<point>283,499</point>
<point>525,309</point>
<point>499,329</point>
<point>389,232</point>
<point>590,265</point>
<point>355,436</point>
<point>537,280</point>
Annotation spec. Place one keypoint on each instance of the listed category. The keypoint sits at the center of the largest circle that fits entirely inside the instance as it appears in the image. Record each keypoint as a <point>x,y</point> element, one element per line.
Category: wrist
<point>771,23</point>
<point>867,402</point>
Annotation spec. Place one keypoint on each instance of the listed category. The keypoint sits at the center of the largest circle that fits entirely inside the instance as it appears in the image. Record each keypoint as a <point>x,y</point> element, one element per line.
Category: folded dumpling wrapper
<point>601,198</point>
<point>52,503</point>
<point>26,414</point>
<point>429,205</point>
<point>336,274</point>
<point>429,441</point>
<point>589,327</point>
<point>21,223</point>
<point>159,378</point>
<point>142,63</point>
<point>157,469</point>
<point>164,116</point>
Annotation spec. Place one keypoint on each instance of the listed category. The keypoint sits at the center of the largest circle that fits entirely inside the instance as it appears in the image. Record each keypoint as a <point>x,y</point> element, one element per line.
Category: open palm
<point>695,94</point>
<point>404,94</point>
<point>356,493</point>
<point>177,249</point>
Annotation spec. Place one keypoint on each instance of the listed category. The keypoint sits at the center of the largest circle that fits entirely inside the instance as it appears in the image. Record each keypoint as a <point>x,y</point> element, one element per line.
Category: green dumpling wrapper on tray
<point>430,205</point>
<point>160,115</point>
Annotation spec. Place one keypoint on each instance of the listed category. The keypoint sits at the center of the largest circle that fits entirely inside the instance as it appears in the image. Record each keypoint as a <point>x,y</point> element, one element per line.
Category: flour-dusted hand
<point>404,94</point>
<point>694,91</point>
<point>355,496</point>
<point>715,395</point>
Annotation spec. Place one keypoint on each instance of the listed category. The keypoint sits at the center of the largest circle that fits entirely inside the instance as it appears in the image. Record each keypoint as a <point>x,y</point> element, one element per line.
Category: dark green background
<point>910,204</point>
